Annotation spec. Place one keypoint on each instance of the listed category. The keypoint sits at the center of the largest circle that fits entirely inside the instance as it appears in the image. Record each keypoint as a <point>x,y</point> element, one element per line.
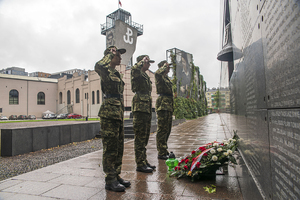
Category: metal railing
<point>106,26</point>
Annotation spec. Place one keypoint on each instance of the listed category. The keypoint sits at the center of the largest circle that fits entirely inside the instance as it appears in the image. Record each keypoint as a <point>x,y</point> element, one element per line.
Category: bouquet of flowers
<point>207,159</point>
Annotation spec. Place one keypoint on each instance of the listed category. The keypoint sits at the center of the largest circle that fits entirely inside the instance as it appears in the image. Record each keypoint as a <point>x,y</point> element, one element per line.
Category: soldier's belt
<point>143,93</point>
<point>168,95</point>
<point>118,96</point>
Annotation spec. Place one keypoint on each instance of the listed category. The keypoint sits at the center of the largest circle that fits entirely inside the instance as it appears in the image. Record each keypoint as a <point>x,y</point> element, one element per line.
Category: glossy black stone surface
<point>284,129</point>
<point>265,93</point>
<point>281,30</point>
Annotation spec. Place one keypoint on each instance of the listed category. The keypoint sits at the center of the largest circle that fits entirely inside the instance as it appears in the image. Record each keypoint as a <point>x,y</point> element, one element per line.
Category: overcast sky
<point>56,35</point>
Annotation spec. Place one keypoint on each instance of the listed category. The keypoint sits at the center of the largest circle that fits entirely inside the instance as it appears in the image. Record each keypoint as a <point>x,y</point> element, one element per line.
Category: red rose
<point>186,161</point>
<point>175,168</point>
<point>193,152</point>
<point>205,154</point>
<point>182,160</point>
<point>198,164</point>
<point>202,149</point>
<point>178,168</point>
<point>194,159</point>
<point>185,167</point>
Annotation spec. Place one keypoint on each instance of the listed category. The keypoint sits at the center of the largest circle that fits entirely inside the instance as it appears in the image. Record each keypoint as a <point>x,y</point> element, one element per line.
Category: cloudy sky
<point>56,35</point>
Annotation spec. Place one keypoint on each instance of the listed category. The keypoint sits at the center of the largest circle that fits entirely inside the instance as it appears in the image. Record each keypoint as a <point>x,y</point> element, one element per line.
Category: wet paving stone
<point>184,138</point>
<point>87,171</point>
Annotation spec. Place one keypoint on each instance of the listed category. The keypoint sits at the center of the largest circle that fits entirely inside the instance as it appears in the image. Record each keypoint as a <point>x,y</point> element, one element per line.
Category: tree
<point>217,98</point>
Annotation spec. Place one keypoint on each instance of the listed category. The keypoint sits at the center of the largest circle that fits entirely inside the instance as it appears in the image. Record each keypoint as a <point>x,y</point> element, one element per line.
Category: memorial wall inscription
<point>265,93</point>
<point>284,130</point>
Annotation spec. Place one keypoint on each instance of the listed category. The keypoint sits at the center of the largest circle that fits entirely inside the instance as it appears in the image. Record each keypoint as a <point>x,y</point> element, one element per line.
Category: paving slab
<point>83,177</point>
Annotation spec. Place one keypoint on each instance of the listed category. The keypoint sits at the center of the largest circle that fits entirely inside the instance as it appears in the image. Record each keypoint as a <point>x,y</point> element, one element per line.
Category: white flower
<point>233,140</point>
<point>225,153</point>
<point>219,149</point>
<point>216,144</point>
<point>230,139</point>
<point>224,141</point>
<point>214,158</point>
<point>212,151</point>
<point>229,151</point>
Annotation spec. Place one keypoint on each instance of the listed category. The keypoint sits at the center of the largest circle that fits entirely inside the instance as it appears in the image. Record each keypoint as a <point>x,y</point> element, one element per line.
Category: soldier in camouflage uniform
<point>164,109</point>
<point>142,111</point>
<point>111,116</point>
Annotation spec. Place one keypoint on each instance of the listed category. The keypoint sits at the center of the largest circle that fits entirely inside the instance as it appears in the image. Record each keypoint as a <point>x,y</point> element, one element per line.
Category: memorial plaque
<point>281,30</point>
<point>265,93</point>
<point>254,72</point>
<point>255,148</point>
<point>240,90</point>
<point>244,16</point>
<point>284,130</point>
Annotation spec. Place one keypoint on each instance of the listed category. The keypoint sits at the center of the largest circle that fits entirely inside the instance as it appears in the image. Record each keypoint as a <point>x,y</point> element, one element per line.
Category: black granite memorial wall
<point>265,92</point>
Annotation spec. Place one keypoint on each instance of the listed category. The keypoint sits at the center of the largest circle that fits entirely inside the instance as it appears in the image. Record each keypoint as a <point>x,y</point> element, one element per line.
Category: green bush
<point>188,108</point>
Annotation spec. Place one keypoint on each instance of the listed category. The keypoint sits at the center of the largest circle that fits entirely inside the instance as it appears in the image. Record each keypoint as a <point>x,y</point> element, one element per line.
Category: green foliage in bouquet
<point>205,160</point>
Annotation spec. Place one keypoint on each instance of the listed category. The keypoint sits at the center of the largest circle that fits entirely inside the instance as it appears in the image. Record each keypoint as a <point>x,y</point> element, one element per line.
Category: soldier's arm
<point>161,71</point>
<point>101,67</point>
<point>136,70</point>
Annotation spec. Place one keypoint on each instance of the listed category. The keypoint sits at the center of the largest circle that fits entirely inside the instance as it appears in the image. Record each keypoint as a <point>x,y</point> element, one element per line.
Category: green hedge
<point>188,108</point>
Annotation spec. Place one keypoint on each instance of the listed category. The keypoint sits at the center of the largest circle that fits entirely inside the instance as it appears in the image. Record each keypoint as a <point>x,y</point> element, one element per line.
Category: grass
<point>42,120</point>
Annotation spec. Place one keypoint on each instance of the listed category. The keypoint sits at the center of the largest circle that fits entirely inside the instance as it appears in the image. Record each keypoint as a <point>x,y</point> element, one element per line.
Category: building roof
<point>28,78</point>
<point>216,89</point>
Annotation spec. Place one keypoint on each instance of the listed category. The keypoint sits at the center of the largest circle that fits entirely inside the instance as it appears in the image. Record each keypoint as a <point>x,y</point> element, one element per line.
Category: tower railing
<point>106,26</point>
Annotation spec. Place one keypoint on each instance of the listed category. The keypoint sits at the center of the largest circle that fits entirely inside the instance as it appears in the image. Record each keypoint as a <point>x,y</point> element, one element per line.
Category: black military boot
<point>151,166</point>
<point>145,169</point>
<point>163,157</point>
<point>123,182</point>
<point>115,186</point>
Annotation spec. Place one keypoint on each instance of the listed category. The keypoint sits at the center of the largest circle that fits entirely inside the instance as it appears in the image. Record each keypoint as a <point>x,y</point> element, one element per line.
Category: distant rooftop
<point>28,78</point>
<point>122,15</point>
<point>215,89</point>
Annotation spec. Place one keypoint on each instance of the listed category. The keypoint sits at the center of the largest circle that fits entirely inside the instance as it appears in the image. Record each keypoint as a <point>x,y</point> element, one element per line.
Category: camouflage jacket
<point>142,86</point>
<point>111,83</point>
<point>163,86</point>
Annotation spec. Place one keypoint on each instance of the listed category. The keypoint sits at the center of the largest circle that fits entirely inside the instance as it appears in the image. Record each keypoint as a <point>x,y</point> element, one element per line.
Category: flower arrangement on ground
<point>207,159</point>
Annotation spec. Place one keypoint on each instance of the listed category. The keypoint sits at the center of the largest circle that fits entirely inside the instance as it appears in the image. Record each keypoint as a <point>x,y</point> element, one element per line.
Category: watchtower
<point>122,32</point>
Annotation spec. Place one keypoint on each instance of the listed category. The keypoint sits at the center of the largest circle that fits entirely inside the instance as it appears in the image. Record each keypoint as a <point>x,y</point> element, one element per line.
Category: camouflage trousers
<point>112,132</point>
<point>164,125</point>
<point>141,128</point>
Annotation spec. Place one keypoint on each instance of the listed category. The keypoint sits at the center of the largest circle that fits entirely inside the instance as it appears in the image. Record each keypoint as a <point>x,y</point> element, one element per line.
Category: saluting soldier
<point>142,111</point>
<point>111,116</point>
<point>164,109</point>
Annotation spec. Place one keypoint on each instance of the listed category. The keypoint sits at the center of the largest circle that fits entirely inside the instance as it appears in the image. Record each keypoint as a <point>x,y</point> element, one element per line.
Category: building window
<point>77,95</point>
<point>93,97</point>
<point>207,98</point>
<point>68,97</point>
<point>41,98</point>
<point>60,98</point>
<point>98,97</point>
<point>13,97</point>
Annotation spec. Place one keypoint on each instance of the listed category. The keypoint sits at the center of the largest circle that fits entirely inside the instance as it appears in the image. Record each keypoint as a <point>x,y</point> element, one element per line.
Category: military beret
<point>121,51</point>
<point>138,59</point>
